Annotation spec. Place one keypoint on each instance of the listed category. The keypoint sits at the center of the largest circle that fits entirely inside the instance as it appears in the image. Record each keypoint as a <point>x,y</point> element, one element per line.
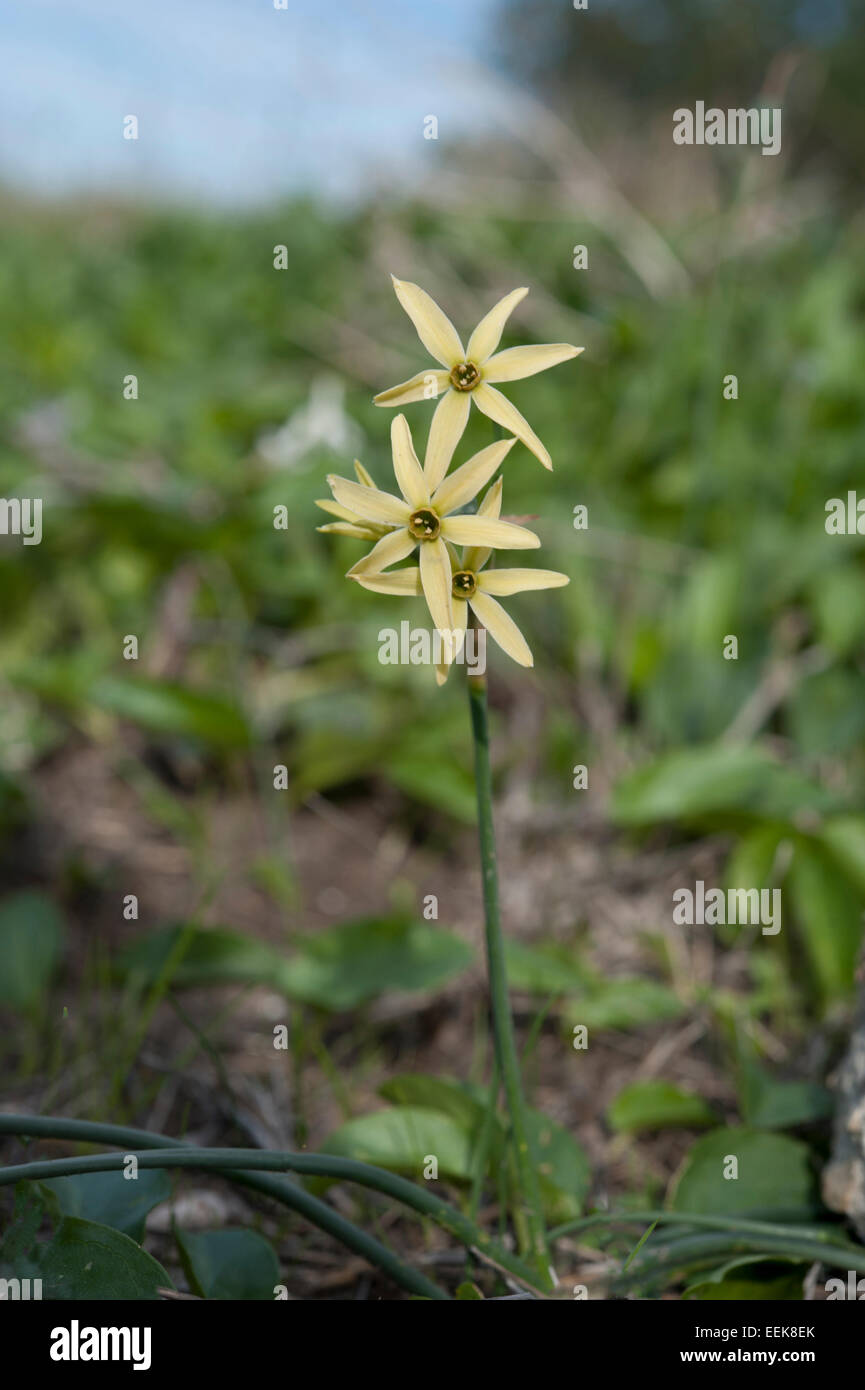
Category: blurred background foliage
<point>706,515</point>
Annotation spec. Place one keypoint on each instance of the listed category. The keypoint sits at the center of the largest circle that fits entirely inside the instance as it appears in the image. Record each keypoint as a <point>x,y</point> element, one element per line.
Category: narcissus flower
<point>475,588</point>
<point>467,374</point>
<point>350,524</point>
<point>425,518</point>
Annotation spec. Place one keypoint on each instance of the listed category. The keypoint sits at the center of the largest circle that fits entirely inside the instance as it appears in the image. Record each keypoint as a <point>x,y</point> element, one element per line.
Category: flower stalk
<point>529,1215</point>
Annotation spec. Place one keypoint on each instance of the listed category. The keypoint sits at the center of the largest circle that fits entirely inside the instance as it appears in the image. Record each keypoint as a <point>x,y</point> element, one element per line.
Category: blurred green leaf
<point>337,968</point>
<point>228,1264</point>
<point>544,969</point>
<point>826,713</point>
<point>32,942</point>
<point>172,709</point>
<point>346,965</point>
<point>708,785</point>
<point>844,839</point>
<point>84,1260</point>
<point>624,1003</point>
<point>770,1104</point>
<point>774,1173</point>
<point>402,1140</point>
<point>564,1171</point>
<point>110,1199</point>
<point>649,1105</point>
<point>827,910</point>
<point>753,857</point>
<point>461,1103</point>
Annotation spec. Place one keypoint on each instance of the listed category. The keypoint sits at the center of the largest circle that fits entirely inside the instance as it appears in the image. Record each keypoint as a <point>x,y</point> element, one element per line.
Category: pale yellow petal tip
<point>441,675</point>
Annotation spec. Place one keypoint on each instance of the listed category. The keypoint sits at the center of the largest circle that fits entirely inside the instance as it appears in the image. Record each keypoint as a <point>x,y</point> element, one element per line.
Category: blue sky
<point>237,101</point>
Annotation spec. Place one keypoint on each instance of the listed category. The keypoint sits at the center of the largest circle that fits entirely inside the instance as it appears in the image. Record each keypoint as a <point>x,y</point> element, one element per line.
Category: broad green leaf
<point>774,1173</point>
<point>346,965</point>
<point>648,1105</point>
<point>338,968</point>
<point>172,709</point>
<point>441,784</point>
<point>545,969</point>
<point>214,956</point>
<point>402,1139</point>
<point>827,910</point>
<point>843,837</point>
<point>709,785</point>
<point>775,1287</point>
<point>837,599</point>
<point>624,1003</point>
<point>84,1260</point>
<point>753,857</point>
<point>770,1104</point>
<point>230,1264</point>
<point>32,937</point>
<point>563,1168</point>
<point>110,1199</point>
<point>451,1098</point>
<point>826,713</point>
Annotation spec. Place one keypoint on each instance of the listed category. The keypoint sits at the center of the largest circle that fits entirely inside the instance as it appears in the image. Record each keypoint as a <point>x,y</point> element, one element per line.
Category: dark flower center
<point>424,525</point>
<point>465,376</point>
<point>464,584</point>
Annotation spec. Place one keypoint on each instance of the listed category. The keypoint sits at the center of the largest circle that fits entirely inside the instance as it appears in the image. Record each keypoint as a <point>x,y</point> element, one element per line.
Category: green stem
<point>230,1160</point>
<point>806,1242</point>
<point>503,1029</point>
<point>290,1194</point>
<point>739,1224</point>
<point>684,1254</point>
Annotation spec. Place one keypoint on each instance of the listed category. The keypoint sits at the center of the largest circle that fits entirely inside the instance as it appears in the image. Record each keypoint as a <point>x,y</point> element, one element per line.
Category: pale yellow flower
<point>473,587</point>
<point>425,518</point>
<point>468,374</point>
<point>350,524</point>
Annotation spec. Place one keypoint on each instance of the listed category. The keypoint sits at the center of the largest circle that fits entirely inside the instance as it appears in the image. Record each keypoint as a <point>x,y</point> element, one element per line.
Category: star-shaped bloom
<point>349,523</point>
<point>467,374</point>
<point>473,587</point>
<point>426,518</point>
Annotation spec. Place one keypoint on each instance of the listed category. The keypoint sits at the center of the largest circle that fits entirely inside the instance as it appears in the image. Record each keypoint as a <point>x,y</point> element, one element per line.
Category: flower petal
<point>479,530</point>
<point>461,618</point>
<point>425,386</point>
<point>409,474</point>
<point>515,363</point>
<point>502,628</point>
<point>500,409</point>
<point>466,482</point>
<point>368,502</point>
<point>346,528</point>
<point>392,548</point>
<point>491,505</point>
<point>445,433</point>
<point>487,335</point>
<point>515,581</point>
<point>334,509</point>
<point>433,326</point>
<point>476,556</point>
<point>405,581</point>
<point>362,475</point>
<point>435,576</point>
